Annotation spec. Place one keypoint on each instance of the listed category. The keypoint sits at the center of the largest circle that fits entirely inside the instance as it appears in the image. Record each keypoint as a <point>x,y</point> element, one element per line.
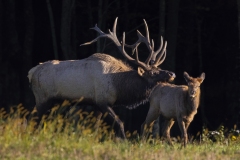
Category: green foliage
<point>213,136</point>
<point>78,135</point>
<point>221,136</point>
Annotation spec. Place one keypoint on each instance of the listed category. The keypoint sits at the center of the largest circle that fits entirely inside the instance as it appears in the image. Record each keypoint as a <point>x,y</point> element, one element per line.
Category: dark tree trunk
<point>1,34</point>
<point>100,4</point>
<point>189,40</point>
<point>90,11</point>
<point>1,29</point>
<point>53,31</point>
<point>171,33</point>
<point>1,50</point>
<point>74,32</point>
<point>126,13</point>
<point>68,7</point>
<point>102,15</point>
<point>11,32</point>
<point>200,70</point>
<point>162,14</point>
<point>27,96</point>
<point>12,55</point>
<point>238,61</point>
<point>91,23</point>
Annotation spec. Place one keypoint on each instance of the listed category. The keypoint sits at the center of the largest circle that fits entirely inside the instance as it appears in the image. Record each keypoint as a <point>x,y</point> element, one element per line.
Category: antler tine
<point>160,47</point>
<point>145,40</point>
<point>114,27</point>
<point>102,34</point>
<point>141,38</point>
<point>143,65</point>
<point>147,31</point>
<point>162,60</point>
<point>111,35</point>
<point>159,59</point>
<point>151,54</point>
<point>137,59</point>
<point>123,50</point>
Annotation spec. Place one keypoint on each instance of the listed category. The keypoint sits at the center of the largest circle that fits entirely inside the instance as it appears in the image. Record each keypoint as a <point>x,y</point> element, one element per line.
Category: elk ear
<point>140,71</point>
<point>186,76</point>
<point>201,78</point>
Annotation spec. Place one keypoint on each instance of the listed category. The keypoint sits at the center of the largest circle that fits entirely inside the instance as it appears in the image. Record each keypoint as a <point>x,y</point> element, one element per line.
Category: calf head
<point>193,83</point>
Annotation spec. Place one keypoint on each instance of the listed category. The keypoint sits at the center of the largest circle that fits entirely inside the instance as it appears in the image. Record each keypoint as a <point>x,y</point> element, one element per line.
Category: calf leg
<point>186,128</point>
<point>182,127</point>
<point>152,115</point>
<point>187,125</point>
<point>166,130</point>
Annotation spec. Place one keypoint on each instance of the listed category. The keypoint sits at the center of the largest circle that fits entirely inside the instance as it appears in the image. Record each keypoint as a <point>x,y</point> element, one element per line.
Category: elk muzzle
<point>172,76</point>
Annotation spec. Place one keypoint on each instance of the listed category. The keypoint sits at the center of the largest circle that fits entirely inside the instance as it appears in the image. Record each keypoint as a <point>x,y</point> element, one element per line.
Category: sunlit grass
<point>77,135</point>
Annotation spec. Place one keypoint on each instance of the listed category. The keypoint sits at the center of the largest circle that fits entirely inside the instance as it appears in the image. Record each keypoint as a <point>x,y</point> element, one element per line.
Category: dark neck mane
<point>132,90</point>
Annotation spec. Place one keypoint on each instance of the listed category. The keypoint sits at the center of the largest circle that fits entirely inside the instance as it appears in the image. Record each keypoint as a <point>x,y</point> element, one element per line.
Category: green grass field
<point>62,138</point>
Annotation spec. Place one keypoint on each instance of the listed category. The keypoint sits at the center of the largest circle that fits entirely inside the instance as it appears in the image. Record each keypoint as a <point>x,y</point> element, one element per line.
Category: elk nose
<point>193,93</point>
<point>172,74</point>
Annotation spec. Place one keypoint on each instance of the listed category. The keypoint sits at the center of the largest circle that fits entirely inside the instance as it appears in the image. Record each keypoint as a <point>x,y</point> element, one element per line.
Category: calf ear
<point>201,78</point>
<point>140,71</point>
<point>186,76</point>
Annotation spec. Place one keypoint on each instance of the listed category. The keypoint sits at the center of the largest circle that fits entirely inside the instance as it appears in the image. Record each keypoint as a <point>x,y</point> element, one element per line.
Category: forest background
<point>202,36</point>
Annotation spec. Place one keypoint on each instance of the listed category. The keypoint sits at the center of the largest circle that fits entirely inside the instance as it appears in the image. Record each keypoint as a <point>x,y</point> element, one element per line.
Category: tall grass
<point>78,135</point>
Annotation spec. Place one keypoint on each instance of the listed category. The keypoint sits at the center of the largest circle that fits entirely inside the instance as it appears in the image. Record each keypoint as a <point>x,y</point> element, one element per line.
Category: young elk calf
<point>175,102</point>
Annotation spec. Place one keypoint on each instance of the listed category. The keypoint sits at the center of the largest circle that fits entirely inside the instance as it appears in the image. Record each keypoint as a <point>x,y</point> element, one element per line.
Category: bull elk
<point>175,102</point>
<point>100,80</point>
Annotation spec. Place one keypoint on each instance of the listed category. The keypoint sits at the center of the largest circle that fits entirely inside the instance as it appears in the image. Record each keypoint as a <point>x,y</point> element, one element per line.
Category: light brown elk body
<point>100,80</point>
<point>175,102</point>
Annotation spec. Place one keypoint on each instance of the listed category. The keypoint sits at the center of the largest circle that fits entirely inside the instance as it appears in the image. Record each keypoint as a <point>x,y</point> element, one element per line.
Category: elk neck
<point>193,102</point>
<point>132,89</point>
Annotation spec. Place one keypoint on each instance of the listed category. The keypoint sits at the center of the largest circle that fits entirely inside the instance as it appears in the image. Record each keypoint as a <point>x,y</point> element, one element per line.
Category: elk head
<point>147,70</point>
<point>193,84</point>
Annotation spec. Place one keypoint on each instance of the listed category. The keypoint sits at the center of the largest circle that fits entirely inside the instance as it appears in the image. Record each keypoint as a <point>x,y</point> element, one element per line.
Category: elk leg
<point>112,114</point>
<point>44,108</point>
<point>41,110</point>
<point>98,115</point>
<point>166,130</point>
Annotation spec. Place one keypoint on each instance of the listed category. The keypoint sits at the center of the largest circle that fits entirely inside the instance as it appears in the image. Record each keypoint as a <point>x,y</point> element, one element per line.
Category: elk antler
<point>158,56</point>
<point>153,55</point>
<point>112,35</point>
<point>145,40</point>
